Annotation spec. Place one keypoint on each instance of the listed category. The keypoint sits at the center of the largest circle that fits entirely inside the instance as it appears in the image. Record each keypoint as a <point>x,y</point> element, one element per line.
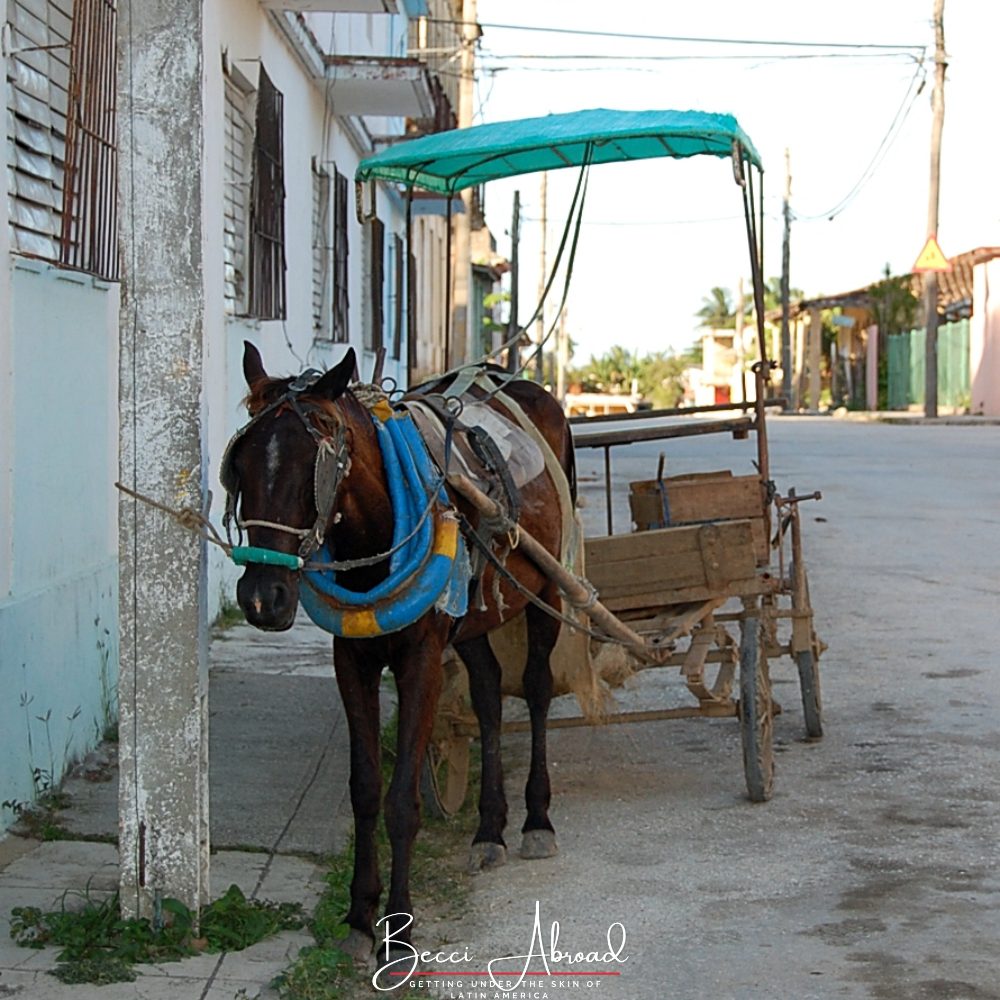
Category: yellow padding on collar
<point>360,624</point>
<point>382,410</point>
<point>446,537</point>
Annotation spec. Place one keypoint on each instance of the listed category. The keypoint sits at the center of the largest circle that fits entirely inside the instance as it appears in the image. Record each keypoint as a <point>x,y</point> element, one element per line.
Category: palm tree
<point>717,312</point>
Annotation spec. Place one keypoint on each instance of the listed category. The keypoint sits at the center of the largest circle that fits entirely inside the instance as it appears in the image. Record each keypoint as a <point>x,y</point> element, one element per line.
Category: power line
<point>913,91</point>
<point>494,26</point>
<point>661,57</point>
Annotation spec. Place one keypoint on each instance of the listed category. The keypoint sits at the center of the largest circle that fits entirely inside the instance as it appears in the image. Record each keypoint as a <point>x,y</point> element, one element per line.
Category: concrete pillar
<point>163,792</point>
<point>815,356</point>
<point>871,369</point>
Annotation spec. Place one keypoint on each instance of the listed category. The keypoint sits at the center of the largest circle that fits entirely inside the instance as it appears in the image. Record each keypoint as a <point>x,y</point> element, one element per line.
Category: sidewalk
<point>279,801</point>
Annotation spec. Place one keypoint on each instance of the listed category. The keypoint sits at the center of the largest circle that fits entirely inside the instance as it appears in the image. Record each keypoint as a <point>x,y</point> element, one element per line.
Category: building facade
<point>294,95</point>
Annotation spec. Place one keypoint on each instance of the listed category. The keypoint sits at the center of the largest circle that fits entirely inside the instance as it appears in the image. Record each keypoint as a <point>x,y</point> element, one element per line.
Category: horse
<point>273,464</point>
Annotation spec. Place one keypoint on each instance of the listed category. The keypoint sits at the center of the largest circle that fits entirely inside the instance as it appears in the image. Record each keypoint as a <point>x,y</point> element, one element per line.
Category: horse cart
<point>712,580</point>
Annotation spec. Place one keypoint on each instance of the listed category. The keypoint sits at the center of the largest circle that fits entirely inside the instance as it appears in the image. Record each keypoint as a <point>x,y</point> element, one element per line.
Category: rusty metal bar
<point>675,411</point>
<point>738,426</point>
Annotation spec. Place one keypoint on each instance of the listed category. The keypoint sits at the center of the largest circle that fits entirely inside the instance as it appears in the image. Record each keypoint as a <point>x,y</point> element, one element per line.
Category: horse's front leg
<point>359,686</point>
<point>416,665</point>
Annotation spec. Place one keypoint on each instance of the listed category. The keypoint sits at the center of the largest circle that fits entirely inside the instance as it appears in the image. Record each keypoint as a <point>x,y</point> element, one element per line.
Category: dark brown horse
<point>272,465</point>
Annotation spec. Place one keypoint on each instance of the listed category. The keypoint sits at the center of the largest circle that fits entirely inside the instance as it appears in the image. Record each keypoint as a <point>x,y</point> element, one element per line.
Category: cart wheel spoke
<point>756,715</point>
<point>444,776</point>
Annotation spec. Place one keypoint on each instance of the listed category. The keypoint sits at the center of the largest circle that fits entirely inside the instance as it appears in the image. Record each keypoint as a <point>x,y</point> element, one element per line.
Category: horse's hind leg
<point>538,838</point>
<point>488,847</point>
<point>359,690</point>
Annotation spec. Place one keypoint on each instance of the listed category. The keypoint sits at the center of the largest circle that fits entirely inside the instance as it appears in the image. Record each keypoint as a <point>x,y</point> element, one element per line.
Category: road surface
<point>873,872</point>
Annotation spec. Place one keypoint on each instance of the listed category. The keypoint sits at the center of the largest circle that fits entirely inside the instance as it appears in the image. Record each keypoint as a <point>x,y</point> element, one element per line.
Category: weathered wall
<point>58,641</point>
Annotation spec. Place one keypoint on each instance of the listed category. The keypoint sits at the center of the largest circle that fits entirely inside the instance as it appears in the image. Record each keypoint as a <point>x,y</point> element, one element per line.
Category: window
<point>266,294</point>
<point>236,191</point>
<point>322,246</point>
<point>341,302</point>
<point>62,155</point>
<point>375,269</point>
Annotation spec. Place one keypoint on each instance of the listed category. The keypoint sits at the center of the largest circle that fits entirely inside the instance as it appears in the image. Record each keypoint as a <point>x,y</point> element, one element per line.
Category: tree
<point>717,311</point>
<point>659,376</point>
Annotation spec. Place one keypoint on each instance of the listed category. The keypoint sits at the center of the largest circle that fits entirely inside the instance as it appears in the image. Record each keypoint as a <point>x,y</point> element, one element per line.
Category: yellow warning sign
<point>931,257</point>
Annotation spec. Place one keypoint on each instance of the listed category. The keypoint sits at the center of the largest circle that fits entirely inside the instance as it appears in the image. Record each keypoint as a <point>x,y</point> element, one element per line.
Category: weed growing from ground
<point>99,946</point>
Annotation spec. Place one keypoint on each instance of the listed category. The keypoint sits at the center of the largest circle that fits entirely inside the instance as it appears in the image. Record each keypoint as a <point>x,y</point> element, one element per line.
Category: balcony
<point>380,85</point>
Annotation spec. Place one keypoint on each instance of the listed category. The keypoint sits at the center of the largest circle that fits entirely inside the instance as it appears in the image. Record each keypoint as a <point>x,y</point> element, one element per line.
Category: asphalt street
<point>873,872</point>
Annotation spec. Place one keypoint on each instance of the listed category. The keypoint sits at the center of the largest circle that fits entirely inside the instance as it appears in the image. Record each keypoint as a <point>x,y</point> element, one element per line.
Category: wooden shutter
<point>322,306</point>
<point>376,284</point>
<point>267,206</point>
<point>236,196</point>
<point>398,309</point>
<point>37,98</point>
<point>341,302</point>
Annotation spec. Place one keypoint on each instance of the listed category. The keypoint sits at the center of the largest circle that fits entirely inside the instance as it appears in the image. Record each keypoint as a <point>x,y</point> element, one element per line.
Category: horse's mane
<point>267,390</point>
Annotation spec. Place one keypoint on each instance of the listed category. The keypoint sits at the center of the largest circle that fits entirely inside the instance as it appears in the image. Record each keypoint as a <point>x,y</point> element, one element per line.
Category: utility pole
<point>562,358</point>
<point>738,341</point>
<point>163,803</point>
<point>786,337</point>
<point>542,265</point>
<point>463,330</point>
<point>930,277</point>
<point>513,326</point>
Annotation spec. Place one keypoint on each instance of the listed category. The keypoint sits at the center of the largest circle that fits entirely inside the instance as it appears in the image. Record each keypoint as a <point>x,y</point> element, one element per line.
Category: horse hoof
<point>358,945</point>
<point>484,856</point>
<point>538,844</point>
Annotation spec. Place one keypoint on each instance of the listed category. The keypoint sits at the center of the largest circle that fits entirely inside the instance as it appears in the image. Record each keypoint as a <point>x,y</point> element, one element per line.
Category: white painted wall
<point>246,33</point>
<point>58,632</point>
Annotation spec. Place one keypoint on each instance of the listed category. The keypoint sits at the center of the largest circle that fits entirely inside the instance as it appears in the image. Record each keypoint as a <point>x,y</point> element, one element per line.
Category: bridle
<point>331,467</point>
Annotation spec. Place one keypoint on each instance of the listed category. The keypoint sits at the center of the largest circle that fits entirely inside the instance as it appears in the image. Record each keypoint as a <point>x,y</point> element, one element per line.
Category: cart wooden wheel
<point>756,713</point>
<point>807,660</point>
<point>808,663</point>
<point>444,777</point>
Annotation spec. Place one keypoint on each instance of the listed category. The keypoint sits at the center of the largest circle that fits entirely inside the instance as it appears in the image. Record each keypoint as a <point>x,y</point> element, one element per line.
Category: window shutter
<point>341,331</point>
<point>37,98</point>
<point>322,270</point>
<point>267,206</point>
<point>235,196</point>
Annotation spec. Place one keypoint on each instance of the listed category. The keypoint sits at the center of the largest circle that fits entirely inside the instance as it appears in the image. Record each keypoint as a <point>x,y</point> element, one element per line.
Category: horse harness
<point>478,454</point>
<point>332,464</point>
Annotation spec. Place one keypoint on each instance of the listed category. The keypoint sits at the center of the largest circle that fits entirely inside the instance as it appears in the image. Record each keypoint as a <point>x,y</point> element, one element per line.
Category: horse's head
<point>282,471</point>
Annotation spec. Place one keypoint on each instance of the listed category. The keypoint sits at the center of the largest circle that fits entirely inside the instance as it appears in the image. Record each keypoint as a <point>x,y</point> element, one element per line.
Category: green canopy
<point>461,158</point>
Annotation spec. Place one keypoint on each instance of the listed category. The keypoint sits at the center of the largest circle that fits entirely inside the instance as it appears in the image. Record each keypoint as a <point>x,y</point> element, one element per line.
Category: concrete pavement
<point>279,803</point>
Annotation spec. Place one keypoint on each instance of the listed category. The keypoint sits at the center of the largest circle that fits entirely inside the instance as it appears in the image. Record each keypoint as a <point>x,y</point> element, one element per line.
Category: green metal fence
<point>906,366</point>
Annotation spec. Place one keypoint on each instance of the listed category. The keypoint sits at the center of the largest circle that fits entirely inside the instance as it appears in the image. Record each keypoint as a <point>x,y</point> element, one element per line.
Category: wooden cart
<point>713,578</point>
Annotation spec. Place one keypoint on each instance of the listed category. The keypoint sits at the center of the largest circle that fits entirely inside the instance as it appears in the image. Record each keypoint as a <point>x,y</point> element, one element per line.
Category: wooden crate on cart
<point>703,497</point>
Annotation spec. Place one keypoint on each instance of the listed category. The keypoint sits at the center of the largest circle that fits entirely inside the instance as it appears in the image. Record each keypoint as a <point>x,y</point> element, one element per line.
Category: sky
<point>658,235</point>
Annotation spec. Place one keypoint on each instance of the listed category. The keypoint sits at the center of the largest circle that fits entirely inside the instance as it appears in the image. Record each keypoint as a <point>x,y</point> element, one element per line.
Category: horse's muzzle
<point>268,596</point>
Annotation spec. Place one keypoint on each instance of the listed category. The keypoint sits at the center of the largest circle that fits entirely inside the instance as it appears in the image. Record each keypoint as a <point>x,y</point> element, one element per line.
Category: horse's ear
<point>335,381</point>
<point>253,366</point>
